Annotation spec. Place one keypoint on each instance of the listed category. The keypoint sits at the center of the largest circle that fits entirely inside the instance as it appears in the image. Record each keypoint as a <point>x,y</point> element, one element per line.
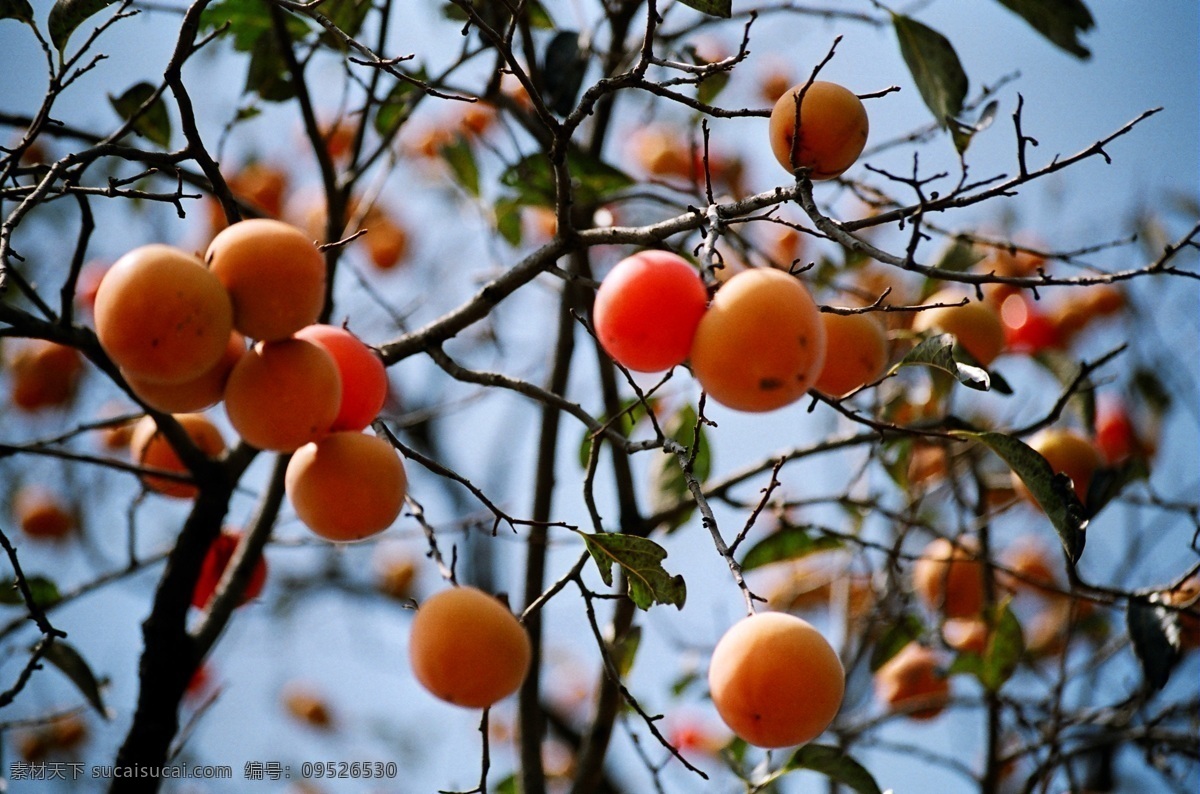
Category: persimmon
<point>347,486</point>
<point>274,274</point>
<point>856,352</point>
<point>1068,453</point>
<point>663,152</point>
<point>775,680</point>
<point>647,309</point>
<point>911,682</point>
<point>41,514</point>
<point>282,395</point>
<point>1116,437</point>
<point>832,133</point>
<point>161,316</point>
<point>196,394</point>
<point>968,635</point>
<point>976,325</point>
<point>364,379</point>
<point>150,448</point>
<point>1027,329</point>
<point>466,648</point>
<point>761,344</point>
<point>307,705</point>
<point>258,184</point>
<point>1031,567</point>
<point>948,578</point>
<point>386,242</point>
<point>44,374</point>
<point>216,560</point>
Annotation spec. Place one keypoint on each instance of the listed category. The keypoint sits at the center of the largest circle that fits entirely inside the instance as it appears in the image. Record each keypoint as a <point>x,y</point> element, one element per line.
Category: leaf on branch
<point>67,15</point>
<point>506,213</point>
<point>632,412</point>
<point>19,10</point>
<point>835,765</point>
<point>939,352</point>
<point>397,106</point>
<point>563,67</point>
<point>73,666</point>
<point>1108,482</point>
<point>641,559</point>
<point>45,592</point>
<point>1005,646</point>
<point>934,66</point>
<point>461,160</point>
<point>1052,491</point>
<point>668,483</point>
<point>347,15</point>
<point>248,21</point>
<point>154,123</point>
<point>268,74</point>
<point>1154,631</point>
<point>1060,21</point>
<point>714,8</point>
<point>625,651</point>
<point>594,180</point>
<point>789,543</point>
<point>899,634</point>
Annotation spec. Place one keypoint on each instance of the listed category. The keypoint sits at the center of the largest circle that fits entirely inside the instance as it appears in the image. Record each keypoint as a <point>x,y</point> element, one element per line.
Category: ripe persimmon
<point>948,578</point>
<point>775,680</point>
<point>150,448</point>
<point>196,394</point>
<point>214,565</point>
<point>976,325</point>
<point>44,374</point>
<point>161,316</point>
<point>274,274</point>
<point>647,309</point>
<point>346,486</point>
<point>911,682</point>
<point>282,395</point>
<point>1067,453</point>
<point>41,514</point>
<point>364,379</point>
<point>857,352</point>
<point>761,344</point>
<point>833,129</point>
<point>466,648</point>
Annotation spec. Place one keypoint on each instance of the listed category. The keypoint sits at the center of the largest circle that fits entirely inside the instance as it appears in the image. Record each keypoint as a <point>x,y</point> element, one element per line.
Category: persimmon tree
<point>454,182</point>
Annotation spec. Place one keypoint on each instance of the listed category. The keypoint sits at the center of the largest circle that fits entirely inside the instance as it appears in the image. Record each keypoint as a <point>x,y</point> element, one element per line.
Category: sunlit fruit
<point>466,648</point>
<point>258,184</point>
<point>195,394</point>
<point>214,565</point>
<point>347,486</point>
<point>1027,329</point>
<point>966,635</point>
<point>364,379</point>
<point>775,680</point>
<point>282,395</point>
<point>274,274</point>
<point>44,374</point>
<point>761,344</point>
<point>161,316</point>
<point>150,448</point>
<point>386,242</point>
<point>662,152</point>
<point>1031,567</point>
<point>1067,453</point>
<point>856,353</point>
<point>41,514</point>
<point>832,127</point>
<point>1116,437</point>
<point>647,309</point>
<point>395,576</point>
<point>976,325</point>
<point>911,682</point>
<point>948,578</point>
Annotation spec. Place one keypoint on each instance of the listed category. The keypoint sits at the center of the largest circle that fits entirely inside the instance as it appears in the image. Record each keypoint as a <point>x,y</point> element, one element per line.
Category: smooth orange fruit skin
<point>856,353</point>
<point>1067,453</point>
<point>466,648</point>
<point>909,679</point>
<point>761,344</point>
<point>161,316</point>
<point>151,449</point>
<point>364,378</point>
<point>214,565</point>
<point>833,129</point>
<point>347,486</point>
<point>976,325</point>
<point>282,395</point>
<point>274,274</point>
<point>775,681</point>
<point>196,394</point>
<point>44,374</point>
<point>947,578</point>
<point>40,514</point>
<point>647,309</point>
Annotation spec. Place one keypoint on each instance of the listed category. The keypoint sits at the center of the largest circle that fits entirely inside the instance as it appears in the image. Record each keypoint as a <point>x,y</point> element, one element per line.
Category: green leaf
<point>939,352</point>
<point>563,68</point>
<point>461,160</point>
<point>1000,658</point>
<point>1060,21</point>
<point>45,592</point>
<point>632,412</point>
<point>593,179</point>
<point>641,559</point>
<point>19,10</point>
<point>625,651</point>
<point>934,66</point>
<point>248,22</point>
<point>1052,491</point>
<point>715,8</point>
<point>711,86</point>
<point>899,634</point>
<point>835,765</point>
<point>668,483</point>
<point>153,123</point>
<point>959,256</point>
<point>509,785</point>
<point>789,543</point>
<point>397,106</point>
<point>507,214</point>
<point>73,666</point>
<point>347,15</point>
<point>1108,482</point>
<point>1154,631</point>
<point>67,15</point>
